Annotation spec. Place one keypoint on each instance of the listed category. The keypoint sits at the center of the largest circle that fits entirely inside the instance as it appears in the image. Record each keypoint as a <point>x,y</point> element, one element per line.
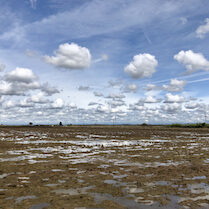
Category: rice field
<point>103,167</point>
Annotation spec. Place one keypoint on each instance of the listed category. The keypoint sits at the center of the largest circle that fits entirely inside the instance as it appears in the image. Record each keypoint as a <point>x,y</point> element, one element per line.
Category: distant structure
<point>60,124</point>
<point>30,124</point>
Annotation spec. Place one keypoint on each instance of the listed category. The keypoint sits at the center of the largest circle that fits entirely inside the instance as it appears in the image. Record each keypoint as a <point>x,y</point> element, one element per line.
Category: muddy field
<point>107,167</point>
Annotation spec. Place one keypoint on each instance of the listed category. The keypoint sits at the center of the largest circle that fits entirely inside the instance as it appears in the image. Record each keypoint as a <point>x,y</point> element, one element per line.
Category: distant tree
<point>30,124</point>
<point>60,123</point>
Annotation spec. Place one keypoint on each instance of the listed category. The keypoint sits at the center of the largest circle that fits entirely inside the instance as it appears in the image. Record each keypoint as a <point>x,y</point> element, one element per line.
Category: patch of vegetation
<point>144,124</point>
<point>195,125</point>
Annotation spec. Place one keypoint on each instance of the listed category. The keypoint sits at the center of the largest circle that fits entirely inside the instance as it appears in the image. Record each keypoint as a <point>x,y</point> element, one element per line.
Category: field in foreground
<point>107,167</point>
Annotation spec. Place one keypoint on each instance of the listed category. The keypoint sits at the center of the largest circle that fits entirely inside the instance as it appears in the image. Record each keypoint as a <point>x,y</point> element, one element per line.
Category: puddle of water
<point>97,136</point>
<point>25,182</point>
<point>131,204</point>
<point>206,197</point>
<point>81,137</point>
<point>135,190</point>
<point>103,166</point>
<point>80,208</point>
<point>147,165</point>
<point>115,183</point>
<point>198,188</point>
<point>162,183</point>
<point>72,191</point>
<point>51,185</point>
<point>150,184</point>
<point>19,199</point>
<point>17,152</point>
<point>32,172</point>
<point>9,198</point>
<point>25,157</point>
<point>73,169</point>
<point>146,202</point>
<point>37,161</point>
<point>110,181</point>
<point>204,205</point>
<point>23,178</point>
<point>57,170</point>
<point>40,206</point>
<point>199,177</point>
<point>206,161</point>
<point>67,191</point>
<point>4,175</point>
<point>103,173</point>
<point>80,172</point>
<point>201,188</point>
<point>96,143</point>
<point>61,181</point>
<point>119,176</point>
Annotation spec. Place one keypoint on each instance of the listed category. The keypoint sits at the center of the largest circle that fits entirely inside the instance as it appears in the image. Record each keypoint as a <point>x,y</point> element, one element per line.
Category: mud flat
<point>92,167</point>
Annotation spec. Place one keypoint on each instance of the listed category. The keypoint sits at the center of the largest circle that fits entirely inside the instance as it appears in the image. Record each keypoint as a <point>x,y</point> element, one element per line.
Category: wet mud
<point>92,167</point>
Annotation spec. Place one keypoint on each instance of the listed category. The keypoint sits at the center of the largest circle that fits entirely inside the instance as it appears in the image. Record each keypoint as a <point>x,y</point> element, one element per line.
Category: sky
<point>104,62</point>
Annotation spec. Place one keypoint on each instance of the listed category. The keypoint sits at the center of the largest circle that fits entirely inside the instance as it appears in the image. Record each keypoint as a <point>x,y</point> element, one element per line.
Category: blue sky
<point>90,61</point>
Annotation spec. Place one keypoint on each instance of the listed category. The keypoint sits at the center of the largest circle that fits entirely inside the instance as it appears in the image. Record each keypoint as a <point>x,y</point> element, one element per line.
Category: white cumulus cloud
<point>21,75</point>
<point>170,98</point>
<point>151,87</point>
<point>131,88</point>
<point>192,61</point>
<point>38,98</point>
<point>149,99</point>
<point>70,56</point>
<point>172,108</point>
<point>175,85</point>
<point>21,80</point>
<point>6,88</point>
<point>115,96</point>
<point>142,66</point>
<point>18,81</point>
<point>203,29</point>
<point>58,103</point>
<point>192,105</point>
